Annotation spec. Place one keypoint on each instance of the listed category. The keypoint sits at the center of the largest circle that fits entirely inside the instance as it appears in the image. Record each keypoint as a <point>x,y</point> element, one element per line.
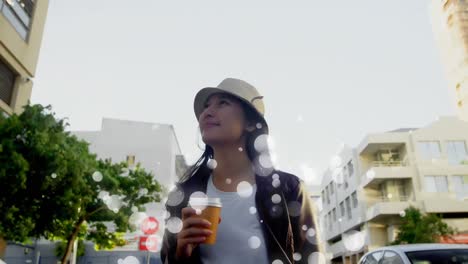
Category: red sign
<point>150,226</point>
<point>149,243</point>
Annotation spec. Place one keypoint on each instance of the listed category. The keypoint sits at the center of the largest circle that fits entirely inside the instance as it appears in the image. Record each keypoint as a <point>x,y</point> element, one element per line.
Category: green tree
<point>109,196</point>
<point>52,186</point>
<point>419,228</point>
<point>39,161</point>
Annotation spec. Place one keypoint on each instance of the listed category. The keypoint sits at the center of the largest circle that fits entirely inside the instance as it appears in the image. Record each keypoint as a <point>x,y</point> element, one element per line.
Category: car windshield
<point>447,256</point>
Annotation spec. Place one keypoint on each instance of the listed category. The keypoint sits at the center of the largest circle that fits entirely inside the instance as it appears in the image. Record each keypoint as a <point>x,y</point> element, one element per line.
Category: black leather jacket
<point>286,226</point>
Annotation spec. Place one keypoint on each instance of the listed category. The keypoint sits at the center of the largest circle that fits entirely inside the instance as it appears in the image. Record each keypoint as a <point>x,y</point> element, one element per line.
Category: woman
<point>267,215</point>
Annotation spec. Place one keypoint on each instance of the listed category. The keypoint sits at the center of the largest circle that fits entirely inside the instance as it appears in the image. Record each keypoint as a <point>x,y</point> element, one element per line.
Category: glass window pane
<point>429,184</point>
<point>429,149</point>
<point>441,183</point>
<point>456,152</point>
<point>391,257</point>
<point>15,22</point>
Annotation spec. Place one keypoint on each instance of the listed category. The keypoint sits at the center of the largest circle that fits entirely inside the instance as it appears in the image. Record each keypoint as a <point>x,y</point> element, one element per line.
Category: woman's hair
<point>201,169</point>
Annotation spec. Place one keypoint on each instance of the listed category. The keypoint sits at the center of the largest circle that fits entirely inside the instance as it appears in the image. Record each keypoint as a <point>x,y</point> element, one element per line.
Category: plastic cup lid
<point>216,202</point>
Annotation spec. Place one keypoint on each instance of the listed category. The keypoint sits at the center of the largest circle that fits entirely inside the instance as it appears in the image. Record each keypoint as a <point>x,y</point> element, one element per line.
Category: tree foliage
<point>53,187</point>
<point>419,228</point>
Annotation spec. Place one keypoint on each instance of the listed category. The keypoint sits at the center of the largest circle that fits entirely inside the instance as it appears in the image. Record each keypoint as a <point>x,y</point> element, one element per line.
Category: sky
<point>330,71</point>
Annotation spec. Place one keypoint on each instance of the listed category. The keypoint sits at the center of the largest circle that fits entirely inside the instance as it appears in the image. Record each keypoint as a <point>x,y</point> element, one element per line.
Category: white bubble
<point>130,260</point>
<point>114,203</point>
<point>390,196</point>
<point>125,172</point>
<point>212,164</point>
<point>370,174</point>
<point>304,227</point>
<point>276,183</point>
<point>228,181</point>
<point>240,149</point>
<point>103,195</point>
<point>354,240</point>
<point>265,160</point>
<point>316,258</point>
<point>300,118</point>
<point>276,198</point>
<point>198,201</point>
<point>253,210</point>
<point>175,197</point>
<point>259,126</point>
<point>54,175</point>
<point>311,232</point>
<point>143,192</point>
<point>275,176</point>
<point>97,176</point>
<point>297,256</point>
<point>277,261</point>
<point>294,208</point>
<point>340,219</point>
<point>244,189</point>
<point>174,225</point>
<point>261,143</point>
<point>402,213</point>
<point>134,209</point>
<point>254,242</point>
<point>335,162</point>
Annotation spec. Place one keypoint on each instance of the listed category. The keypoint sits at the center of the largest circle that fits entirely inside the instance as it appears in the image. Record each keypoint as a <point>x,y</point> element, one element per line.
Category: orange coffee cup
<point>208,209</point>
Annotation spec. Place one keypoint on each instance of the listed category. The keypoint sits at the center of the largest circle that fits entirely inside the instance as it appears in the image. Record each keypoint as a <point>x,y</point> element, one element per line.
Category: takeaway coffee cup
<point>208,209</point>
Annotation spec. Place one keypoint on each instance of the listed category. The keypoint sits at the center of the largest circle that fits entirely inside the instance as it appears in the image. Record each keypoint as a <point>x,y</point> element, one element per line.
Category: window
<point>355,200</point>
<point>436,183</point>
<point>429,149</point>
<point>332,188</point>
<point>350,168</point>
<point>334,214</point>
<point>438,256</point>
<point>329,221</point>
<point>456,152</point>
<point>19,14</point>
<point>460,185</point>
<point>130,160</point>
<point>7,82</point>
<point>348,208</point>
<point>342,209</point>
<point>373,258</point>
<point>391,257</point>
<point>327,195</point>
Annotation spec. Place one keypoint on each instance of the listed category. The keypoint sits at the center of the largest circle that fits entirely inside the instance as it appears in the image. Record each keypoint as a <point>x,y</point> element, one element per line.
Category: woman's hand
<point>194,231</point>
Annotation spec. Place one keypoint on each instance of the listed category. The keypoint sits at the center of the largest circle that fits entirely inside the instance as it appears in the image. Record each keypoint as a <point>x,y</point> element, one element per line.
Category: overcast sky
<point>331,71</point>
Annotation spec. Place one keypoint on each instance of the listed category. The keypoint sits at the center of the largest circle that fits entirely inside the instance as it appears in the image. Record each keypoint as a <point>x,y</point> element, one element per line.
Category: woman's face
<point>222,120</point>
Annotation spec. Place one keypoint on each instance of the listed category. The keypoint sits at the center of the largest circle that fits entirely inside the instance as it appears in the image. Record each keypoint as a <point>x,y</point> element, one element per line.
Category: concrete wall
<point>22,55</point>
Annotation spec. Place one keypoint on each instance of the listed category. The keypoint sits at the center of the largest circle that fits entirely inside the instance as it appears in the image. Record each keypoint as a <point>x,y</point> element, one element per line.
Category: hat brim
<point>202,96</point>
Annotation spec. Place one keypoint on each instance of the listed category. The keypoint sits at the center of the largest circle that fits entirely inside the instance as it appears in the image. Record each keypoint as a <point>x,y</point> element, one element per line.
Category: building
<point>367,189</point>
<point>450,25</point>
<point>21,27</point>
<point>153,146</point>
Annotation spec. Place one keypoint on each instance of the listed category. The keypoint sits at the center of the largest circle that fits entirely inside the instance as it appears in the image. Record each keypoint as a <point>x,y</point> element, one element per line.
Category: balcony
<point>385,170</point>
<point>387,206</point>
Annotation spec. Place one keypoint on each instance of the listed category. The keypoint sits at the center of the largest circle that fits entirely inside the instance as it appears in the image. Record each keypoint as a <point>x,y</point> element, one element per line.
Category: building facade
<point>365,194</point>
<point>450,25</point>
<point>21,28</point>
<point>153,146</point>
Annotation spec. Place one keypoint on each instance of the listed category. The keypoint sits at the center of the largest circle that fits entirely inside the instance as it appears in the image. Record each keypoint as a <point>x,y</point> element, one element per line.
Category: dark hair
<point>200,168</point>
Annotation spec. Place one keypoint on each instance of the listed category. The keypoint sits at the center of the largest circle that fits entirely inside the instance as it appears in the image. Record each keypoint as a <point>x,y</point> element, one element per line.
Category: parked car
<point>418,254</point>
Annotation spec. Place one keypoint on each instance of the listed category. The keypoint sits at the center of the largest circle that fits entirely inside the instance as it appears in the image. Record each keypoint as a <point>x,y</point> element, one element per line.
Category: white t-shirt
<point>240,238</point>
